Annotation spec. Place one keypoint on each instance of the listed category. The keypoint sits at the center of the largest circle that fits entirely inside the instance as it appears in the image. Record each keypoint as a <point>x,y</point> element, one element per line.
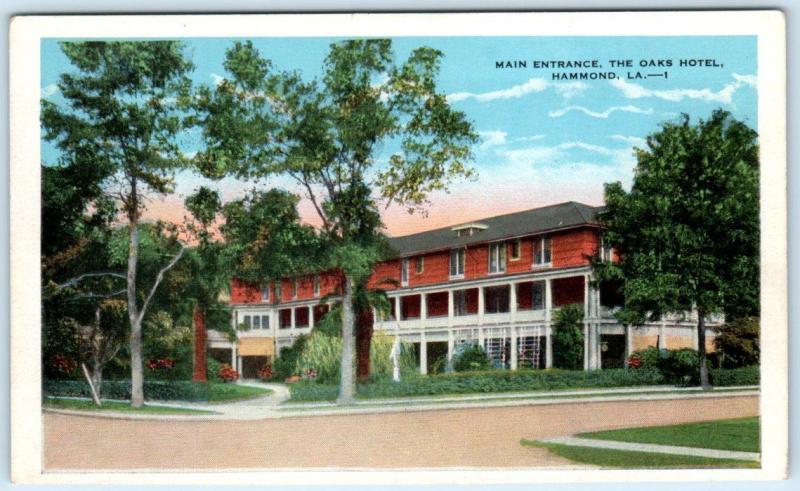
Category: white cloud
<point>49,90</point>
<point>492,138</point>
<point>724,95</point>
<point>543,155</point>
<point>530,138</point>
<point>565,89</point>
<point>217,78</point>
<point>633,141</point>
<point>604,115</point>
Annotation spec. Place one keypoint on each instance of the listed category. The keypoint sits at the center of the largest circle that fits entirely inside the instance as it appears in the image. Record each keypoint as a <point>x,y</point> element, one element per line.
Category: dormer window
<point>404,272</point>
<point>469,229</point>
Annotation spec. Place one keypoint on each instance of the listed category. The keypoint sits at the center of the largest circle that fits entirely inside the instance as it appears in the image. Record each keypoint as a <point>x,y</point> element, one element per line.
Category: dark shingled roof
<point>548,218</point>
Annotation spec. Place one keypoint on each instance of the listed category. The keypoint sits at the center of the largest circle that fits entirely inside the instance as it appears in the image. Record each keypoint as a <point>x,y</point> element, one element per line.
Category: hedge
<point>120,389</point>
<point>484,382</point>
<point>736,376</point>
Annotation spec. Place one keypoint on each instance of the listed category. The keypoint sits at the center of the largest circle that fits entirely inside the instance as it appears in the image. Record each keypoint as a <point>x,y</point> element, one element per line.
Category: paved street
<point>473,437</point>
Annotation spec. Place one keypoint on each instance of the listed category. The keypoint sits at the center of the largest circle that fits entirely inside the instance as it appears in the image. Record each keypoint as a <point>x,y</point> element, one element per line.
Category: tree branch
<point>77,279</point>
<point>157,282</point>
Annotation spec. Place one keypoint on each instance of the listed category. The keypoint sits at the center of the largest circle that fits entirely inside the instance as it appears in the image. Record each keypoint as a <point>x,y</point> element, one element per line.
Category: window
<point>256,322</point>
<point>419,265</point>
<point>264,322</point>
<point>404,272</point>
<point>537,292</point>
<point>265,293</point>
<point>294,288</point>
<point>246,322</point>
<point>606,252</point>
<point>516,247</point>
<point>316,285</point>
<point>497,258</point>
<point>457,257</point>
<point>460,302</point>
<point>542,251</point>
<point>278,293</point>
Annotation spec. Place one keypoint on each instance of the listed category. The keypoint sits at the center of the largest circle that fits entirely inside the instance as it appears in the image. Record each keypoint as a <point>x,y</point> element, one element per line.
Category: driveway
<point>469,437</point>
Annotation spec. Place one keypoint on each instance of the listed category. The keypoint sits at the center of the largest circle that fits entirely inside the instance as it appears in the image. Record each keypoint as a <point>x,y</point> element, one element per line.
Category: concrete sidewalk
<point>653,448</point>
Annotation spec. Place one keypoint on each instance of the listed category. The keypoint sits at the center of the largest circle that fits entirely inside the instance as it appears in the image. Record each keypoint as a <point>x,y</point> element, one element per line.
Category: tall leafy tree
<point>121,111</point>
<point>688,230</point>
<point>327,134</point>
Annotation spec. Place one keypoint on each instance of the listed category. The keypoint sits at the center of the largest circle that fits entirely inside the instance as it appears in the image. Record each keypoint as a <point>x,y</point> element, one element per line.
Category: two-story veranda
<point>496,282</point>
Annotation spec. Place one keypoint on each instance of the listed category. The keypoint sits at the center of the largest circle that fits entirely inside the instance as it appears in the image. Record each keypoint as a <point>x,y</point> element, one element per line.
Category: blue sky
<point>543,141</point>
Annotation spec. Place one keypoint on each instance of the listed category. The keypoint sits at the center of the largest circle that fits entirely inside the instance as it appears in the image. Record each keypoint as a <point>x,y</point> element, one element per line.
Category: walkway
<point>653,448</point>
<point>462,438</point>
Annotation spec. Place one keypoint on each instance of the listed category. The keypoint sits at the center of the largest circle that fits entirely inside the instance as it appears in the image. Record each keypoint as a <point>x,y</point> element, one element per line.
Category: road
<point>474,437</point>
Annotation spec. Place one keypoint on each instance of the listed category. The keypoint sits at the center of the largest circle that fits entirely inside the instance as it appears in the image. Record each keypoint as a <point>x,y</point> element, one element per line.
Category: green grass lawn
<point>728,434</point>
<point>117,406</point>
<point>636,460</point>
<point>233,392</point>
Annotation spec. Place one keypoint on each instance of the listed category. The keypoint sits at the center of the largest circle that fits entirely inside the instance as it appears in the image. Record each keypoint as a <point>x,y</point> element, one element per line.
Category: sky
<point>544,139</point>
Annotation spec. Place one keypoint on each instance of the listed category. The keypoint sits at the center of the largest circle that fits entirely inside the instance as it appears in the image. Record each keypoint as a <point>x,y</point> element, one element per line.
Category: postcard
<point>399,248</point>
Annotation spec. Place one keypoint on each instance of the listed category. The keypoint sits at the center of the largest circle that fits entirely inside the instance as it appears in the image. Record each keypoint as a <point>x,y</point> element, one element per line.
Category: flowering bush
<point>63,364</point>
<point>265,372</point>
<point>634,361</point>
<point>227,373</point>
<point>160,363</point>
<point>309,374</point>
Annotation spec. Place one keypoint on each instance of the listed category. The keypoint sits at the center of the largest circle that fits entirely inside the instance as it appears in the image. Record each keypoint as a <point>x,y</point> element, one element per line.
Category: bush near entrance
<point>568,337</point>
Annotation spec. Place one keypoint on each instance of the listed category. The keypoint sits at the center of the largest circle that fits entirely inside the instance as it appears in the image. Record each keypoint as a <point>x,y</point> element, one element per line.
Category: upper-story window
<point>606,251</point>
<point>497,257</point>
<point>542,251</point>
<point>265,293</point>
<point>404,272</point>
<point>457,259</point>
<point>419,265</point>
<point>516,249</point>
<point>278,293</point>
<point>316,285</point>
<point>294,287</point>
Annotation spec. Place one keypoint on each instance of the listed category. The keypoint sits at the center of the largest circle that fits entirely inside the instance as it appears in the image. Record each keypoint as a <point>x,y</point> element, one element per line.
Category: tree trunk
<point>364,322</point>
<point>97,376</point>
<point>347,388</point>
<point>200,334</point>
<point>701,349</point>
<point>137,368</point>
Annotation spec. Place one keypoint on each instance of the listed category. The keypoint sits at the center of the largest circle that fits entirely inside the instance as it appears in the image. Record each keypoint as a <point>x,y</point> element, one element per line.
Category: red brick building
<point>495,282</point>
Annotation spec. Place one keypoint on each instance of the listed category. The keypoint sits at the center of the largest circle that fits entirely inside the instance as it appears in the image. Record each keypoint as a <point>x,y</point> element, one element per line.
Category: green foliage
<point>380,357</point>
<point>680,366</point>
<point>491,381</point>
<point>649,356</point>
<point>568,337</point>
<point>212,370</point>
<point>286,363</point>
<point>737,343</point>
<point>736,376</point>
<point>688,230</point>
<point>119,389</point>
<point>471,358</point>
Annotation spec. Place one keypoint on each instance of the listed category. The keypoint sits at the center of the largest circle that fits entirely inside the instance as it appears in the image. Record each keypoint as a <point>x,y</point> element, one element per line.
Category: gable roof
<point>528,222</point>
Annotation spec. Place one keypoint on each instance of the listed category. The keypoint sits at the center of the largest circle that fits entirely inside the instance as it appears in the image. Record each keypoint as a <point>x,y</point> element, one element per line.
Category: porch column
<point>481,306</point>
<point>233,356</point>
<point>585,345</point>
<point>586,296</point>
<point>628,342</point>
<point>451,346</point>
<point>512,302</point>
<point>292,324</point>
<point>514,350</point>
<point>548,317</point>
<point>311,316</point>
<point>662,335</point>
<point>450,308</point>
<point>423,309</point>
<point>397,308</point>
<point>423,354</point>
<point>695,338</point>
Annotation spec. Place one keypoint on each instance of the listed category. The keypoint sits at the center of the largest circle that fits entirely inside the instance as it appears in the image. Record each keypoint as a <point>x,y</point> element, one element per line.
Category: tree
<point>568,337</point>
<point>327,134</point>
<point>123,113</point>
<point>687,232</point>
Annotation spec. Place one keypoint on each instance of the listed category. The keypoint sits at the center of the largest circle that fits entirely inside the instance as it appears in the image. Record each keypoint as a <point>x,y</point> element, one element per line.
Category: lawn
<point>234,392</point>
<point>635,460</point>
<point>740,434</point>
<point>117,406</point>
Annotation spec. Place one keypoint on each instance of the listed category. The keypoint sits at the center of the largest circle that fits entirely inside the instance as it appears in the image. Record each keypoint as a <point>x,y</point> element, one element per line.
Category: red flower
<point>634,362</point>
<point>227,373</point>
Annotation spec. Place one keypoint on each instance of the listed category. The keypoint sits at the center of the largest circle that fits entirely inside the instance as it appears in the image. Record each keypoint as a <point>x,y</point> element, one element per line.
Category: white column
<point>695,338</point>
<point>481,305</point>
<point>548,354</point>
<point>233,356</point>
<point>480,337</point>
<point>514,349</point>
<point>586,296</point>
<point>397,308</point>
<point>628,341</point>
<point>423,354</point>
<point>512,301</point>
<point>548,317</point>
<point>450,308</point>
<point>585,345</point>
<point>423,309</point>
<point>662,335</point>
<point>451,345</point>
<point>292,324</point>
<point>311,316</point>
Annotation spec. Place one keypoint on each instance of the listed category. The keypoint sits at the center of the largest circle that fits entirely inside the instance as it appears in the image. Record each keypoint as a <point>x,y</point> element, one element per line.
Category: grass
<point>740,434</point>
<point>117,406</point>
<point>234,392</point>
<point>606,458</point>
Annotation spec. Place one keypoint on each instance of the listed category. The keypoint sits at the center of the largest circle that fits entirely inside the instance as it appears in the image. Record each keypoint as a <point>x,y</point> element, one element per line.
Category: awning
<point>256,347</point>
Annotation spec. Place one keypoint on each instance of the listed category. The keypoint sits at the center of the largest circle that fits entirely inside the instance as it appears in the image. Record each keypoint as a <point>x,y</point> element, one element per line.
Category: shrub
<point>568,337</point>
<point>737,343</point>
<point>265,372</point>
<point>646,358</point>
<point>681,366</point>
<point>470,358</point>
<point>227,373</point>
<point>736,376</point>
<point>286,364</point>
<point>380,357</point>
<point>212,370</point>
<point>121,389</point>
<point>322,354</point>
